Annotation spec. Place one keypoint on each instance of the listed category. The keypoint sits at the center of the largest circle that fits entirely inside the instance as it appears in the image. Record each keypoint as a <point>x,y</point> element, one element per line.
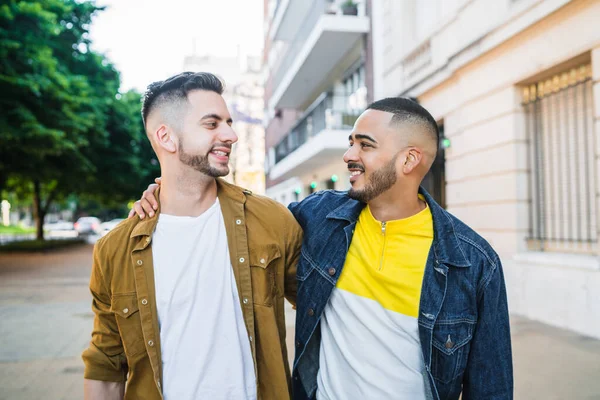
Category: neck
<point>184,193</point>
<point>397,203</point>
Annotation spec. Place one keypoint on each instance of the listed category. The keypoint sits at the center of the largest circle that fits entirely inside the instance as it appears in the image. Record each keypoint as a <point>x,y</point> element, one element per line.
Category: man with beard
<point>189,302</point>
<point>397,298</point>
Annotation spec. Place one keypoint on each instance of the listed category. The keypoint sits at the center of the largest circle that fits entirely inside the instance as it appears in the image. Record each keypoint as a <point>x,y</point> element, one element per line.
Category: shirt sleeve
<point>293,246</point>
<point>104,359</point>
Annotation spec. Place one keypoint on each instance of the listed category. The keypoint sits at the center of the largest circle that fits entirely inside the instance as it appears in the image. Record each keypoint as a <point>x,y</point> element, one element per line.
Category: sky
<point>147,40</point>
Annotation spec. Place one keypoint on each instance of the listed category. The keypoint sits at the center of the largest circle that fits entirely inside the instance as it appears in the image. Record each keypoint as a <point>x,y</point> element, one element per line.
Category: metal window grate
<point>560,130</point>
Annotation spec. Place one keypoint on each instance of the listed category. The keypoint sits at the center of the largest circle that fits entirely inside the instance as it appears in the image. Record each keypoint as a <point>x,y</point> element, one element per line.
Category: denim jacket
<point>463,313</point>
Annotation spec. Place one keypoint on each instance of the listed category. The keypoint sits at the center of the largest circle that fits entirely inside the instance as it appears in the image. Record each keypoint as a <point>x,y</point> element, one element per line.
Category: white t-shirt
<point>204,343</point>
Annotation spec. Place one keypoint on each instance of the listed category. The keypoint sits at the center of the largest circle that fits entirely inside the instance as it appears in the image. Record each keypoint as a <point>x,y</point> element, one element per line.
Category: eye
<point>363,145</point>
<point>211,124</point>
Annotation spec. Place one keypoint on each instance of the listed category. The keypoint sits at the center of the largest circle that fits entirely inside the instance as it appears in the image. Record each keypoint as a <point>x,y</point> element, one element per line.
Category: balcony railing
<point>317,9</point>
<point>327,112</point>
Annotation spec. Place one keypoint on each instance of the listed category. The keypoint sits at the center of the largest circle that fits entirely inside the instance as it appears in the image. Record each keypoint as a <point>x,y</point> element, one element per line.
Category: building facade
<point>316,71</point>
<point>515,85</point>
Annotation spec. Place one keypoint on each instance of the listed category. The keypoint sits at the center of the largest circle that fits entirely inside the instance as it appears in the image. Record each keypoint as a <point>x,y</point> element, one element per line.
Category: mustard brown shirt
<point>264,243</point>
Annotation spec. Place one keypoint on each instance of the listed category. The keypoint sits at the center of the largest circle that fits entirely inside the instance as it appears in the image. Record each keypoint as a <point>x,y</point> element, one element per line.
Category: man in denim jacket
<point>397,298</point>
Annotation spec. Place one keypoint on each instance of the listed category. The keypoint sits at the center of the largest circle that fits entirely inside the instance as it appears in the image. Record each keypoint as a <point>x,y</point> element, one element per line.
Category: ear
<point>165,138</point>
<point>413,159</point>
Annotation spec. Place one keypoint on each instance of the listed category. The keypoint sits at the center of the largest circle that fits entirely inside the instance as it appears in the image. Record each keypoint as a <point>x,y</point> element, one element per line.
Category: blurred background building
<point>517,99</point>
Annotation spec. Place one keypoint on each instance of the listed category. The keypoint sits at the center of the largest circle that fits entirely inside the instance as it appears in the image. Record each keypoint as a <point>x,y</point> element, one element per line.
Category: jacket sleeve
<point>293,245</point>
<point>489,373</point>
<point>104,359</point>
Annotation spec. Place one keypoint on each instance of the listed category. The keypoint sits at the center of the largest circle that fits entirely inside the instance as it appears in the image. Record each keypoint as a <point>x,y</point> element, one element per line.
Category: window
<point>356,91</point>
<point>560,133</point>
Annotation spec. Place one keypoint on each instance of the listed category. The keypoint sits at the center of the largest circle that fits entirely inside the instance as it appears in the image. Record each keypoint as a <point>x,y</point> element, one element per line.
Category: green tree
<point>64,128</point>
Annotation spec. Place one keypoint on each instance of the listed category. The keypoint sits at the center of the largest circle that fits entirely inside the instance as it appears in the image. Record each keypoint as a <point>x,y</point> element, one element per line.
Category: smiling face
<point>205,136</point>
<point>392,146</point>
<point>373,156</point>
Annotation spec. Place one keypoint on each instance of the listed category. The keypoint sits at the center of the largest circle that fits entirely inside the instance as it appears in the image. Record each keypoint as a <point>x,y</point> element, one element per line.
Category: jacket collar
<point>446,246</point>
<point>228,194</point>
<point>348,211</point>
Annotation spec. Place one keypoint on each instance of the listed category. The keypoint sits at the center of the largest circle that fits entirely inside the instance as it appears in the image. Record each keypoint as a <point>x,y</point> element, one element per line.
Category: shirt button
<point>250,338</point>
<point>147,239</point>
<point>242,259</point>
<point>331,271</point>
<point>311,312</point>
<point>125,310</point>
<point>139,262</point>
<point>238,221</point>
<point>150,343</point>
<point>158,384</point>
<point>144,301</point>
<point>245,300</point>
<point>449,344</point>
<point>262,260</point>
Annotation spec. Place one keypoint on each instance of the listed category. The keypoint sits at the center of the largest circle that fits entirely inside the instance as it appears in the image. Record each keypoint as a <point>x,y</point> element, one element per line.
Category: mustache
<point>225,145</point>
<point>356,166</point>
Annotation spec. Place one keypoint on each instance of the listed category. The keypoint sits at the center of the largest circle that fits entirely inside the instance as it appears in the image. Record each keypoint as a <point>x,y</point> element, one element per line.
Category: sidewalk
<point>554,364</point>
<point>46,324</point>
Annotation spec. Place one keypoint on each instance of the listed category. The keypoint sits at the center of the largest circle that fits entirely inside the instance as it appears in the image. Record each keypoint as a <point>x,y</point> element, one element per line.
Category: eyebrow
<point>362,136</point>
<point>215,116</point>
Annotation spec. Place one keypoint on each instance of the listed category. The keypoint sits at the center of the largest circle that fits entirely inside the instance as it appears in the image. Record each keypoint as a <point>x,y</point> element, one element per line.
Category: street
<point>46,323</point>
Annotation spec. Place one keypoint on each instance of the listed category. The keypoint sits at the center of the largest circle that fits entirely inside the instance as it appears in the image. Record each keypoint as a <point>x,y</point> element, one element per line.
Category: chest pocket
<point>451,342</point>
<point>263,270</point>
<point>127,314</point>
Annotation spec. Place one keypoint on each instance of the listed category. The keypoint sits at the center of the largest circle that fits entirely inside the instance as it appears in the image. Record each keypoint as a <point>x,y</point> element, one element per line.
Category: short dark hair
<point>177,88</point>
<point>407,110</point>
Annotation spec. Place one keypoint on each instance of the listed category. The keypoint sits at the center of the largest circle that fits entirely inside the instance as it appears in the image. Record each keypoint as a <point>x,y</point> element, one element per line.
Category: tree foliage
<point>64,126</point>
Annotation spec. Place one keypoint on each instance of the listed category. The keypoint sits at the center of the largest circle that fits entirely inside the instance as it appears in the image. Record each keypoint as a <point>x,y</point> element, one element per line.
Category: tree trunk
<point>2,183</point>
<point>38,210</point>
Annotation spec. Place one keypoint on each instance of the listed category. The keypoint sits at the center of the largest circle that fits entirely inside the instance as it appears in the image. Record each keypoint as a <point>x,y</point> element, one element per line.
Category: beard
<point>200,163</point>
<point>379,181</point>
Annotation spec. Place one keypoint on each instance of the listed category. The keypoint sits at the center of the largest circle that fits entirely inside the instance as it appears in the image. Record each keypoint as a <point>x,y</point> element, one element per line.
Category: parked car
<point>107,226</point>
<point>59,226</point>
<point>60,230</point>
<point>87,226</point>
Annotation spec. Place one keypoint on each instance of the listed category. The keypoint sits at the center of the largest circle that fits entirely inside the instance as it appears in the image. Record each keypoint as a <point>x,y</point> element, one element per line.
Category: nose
<point>227,134</point>
<point>350,155</point>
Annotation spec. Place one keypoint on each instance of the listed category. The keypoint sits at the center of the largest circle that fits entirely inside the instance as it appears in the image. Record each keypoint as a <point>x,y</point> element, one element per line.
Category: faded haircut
<point>174,90</point>
<point>405,110</point>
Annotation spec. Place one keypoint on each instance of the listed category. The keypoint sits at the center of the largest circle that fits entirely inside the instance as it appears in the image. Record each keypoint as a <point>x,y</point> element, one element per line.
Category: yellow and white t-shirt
<point>370,347</point>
